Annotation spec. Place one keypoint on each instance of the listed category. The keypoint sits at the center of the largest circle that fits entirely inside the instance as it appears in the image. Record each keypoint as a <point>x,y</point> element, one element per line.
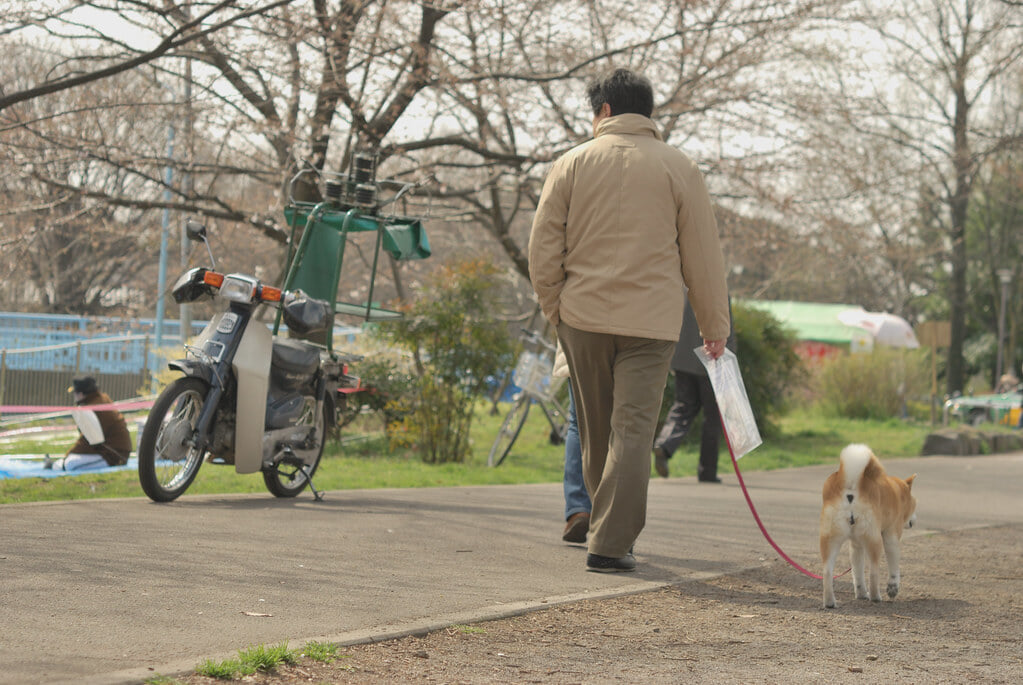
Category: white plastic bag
<point>89,425</point>
<point>736,414</point>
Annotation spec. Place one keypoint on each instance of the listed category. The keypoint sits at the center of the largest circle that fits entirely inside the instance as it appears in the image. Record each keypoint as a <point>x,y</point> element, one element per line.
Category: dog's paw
<point>830,606</point>
<point>893,589</point>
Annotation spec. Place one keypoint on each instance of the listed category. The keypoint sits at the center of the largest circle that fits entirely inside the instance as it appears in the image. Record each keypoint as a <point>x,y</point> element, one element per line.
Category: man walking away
<point>623,222</point>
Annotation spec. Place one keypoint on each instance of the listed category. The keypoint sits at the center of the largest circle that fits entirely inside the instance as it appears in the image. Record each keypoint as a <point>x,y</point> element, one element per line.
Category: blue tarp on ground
<point>20,466</point>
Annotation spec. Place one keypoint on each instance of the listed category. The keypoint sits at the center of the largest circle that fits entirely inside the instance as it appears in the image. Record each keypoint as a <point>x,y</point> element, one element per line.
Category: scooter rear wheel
<point>288,477</point>
<point>168,459</point>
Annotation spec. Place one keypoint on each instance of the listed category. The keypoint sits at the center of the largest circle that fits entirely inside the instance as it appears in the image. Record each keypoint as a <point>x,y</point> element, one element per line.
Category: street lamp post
<point>1004,276</point>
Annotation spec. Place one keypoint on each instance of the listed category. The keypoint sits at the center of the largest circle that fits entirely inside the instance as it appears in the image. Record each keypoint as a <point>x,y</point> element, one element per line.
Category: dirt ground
<point>956,620</point>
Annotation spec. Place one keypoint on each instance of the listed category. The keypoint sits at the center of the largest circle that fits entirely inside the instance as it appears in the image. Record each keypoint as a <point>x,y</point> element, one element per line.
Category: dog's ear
<point>909,481</point>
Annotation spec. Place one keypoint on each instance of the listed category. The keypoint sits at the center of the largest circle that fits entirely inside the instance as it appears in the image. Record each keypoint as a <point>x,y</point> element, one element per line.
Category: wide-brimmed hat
<point>85,385</point>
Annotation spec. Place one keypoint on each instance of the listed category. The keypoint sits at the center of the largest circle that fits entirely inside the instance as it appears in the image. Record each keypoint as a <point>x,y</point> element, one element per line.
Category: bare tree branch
<point>180,36</point>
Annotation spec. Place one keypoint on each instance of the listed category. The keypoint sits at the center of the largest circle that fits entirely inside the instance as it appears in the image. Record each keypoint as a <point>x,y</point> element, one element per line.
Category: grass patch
<point>468,630</point>
<point>369,463</point>
<point>264,658</point>
<point>228,669</point>
<point>249,661</point>
<point>810,438</point>
<point>324,652</point>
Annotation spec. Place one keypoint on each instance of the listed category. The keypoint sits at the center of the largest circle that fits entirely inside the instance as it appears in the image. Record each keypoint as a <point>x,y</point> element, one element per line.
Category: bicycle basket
<point>533,374</point>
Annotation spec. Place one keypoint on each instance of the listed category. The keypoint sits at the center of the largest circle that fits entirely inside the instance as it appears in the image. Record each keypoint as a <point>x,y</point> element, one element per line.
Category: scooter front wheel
<point>168,458</point>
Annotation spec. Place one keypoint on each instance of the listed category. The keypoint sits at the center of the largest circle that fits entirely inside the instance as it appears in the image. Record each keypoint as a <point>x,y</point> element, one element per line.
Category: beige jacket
<point>623,221</point>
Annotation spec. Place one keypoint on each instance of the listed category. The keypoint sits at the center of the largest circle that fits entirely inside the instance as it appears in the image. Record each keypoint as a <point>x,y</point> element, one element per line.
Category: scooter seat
<point>295,357</point>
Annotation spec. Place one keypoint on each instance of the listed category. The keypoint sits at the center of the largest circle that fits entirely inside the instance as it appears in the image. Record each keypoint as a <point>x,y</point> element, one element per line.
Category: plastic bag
<point>89,426</point>
<point>736,414</point>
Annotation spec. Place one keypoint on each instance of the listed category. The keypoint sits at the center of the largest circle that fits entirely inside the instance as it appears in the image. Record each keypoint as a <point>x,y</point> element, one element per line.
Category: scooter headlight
<point>238,288</point>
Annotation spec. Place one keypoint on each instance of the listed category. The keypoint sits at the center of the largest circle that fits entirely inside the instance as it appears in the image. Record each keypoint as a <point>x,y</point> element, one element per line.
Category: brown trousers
<point>617,383</point>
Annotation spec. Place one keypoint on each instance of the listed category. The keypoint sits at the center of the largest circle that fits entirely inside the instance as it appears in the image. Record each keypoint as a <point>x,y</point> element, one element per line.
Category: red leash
<point>756,516</point>
<point>705,358</point>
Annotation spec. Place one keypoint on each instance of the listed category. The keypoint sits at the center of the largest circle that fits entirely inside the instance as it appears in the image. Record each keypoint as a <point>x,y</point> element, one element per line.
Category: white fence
<point>123,366</point>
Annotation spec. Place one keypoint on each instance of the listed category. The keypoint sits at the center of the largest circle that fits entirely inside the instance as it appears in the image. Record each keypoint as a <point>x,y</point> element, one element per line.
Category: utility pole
<point>161,281</point>
<point>184,311</point>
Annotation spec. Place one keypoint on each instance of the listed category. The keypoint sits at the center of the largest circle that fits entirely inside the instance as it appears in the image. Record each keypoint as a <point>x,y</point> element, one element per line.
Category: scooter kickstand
<point>290,457</point>
<point>317,495</point>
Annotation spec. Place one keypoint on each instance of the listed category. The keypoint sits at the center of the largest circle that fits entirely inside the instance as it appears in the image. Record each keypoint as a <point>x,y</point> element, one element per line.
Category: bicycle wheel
<point>556,418</point>
<point>508,431</point>
<point>168,461</point>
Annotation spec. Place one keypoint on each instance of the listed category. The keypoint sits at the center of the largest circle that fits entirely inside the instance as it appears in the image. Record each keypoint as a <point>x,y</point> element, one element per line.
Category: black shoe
<point>715,479</point>
<point>48,463</point>
<point>576,528</point>
<point>599,564</point>
<point>661,462</point>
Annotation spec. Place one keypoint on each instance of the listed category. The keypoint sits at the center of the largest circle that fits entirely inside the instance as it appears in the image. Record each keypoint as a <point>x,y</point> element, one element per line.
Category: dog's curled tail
<point>854,459</point>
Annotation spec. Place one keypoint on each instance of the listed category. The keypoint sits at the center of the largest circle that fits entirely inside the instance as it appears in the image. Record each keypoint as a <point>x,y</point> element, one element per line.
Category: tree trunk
<point>959,205</point>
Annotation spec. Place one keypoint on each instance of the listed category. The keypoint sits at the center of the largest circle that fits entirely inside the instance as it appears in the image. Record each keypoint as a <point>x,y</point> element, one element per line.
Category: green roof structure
<point>810,320</point>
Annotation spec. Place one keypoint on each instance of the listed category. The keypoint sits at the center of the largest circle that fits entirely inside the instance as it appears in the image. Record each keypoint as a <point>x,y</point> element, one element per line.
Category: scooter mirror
<point>195,231</point>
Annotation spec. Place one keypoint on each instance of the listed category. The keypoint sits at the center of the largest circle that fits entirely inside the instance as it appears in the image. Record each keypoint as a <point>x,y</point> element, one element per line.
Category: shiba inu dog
<point>866,506</point>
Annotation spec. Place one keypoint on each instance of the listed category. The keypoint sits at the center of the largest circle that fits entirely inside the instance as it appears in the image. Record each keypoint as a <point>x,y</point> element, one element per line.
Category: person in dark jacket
<point>693,392</point>
<point>103,438</point>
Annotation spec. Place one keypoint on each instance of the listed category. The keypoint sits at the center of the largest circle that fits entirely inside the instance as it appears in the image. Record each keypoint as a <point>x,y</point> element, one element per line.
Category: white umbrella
<point>886,329</point>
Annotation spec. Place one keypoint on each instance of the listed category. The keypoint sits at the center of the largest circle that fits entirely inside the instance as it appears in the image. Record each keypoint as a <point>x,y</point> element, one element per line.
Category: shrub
<point>870,386</point>
<point>458,344</point>
<point>768,362</point>
<point>388,379</point>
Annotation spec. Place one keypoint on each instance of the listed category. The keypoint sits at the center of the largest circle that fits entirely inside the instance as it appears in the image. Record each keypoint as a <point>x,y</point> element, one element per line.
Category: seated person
<point>103,438</point>
<point>1007,383</point>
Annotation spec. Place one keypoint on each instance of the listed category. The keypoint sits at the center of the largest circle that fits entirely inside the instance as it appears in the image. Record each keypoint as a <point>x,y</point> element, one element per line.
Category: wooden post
<point>934,334</point>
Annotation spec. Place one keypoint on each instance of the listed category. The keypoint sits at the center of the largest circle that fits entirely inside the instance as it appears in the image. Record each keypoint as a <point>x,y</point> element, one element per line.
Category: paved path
<point>115,591</point>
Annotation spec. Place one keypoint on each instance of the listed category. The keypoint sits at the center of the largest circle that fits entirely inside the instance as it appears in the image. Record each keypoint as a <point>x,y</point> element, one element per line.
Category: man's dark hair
<point>625,91</point>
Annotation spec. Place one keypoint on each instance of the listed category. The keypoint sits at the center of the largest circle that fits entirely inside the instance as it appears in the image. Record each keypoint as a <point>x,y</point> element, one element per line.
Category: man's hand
<point>714,348</point>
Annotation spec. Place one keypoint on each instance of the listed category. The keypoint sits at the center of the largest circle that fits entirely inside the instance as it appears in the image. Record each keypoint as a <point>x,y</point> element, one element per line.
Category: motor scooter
<point>261,403</point>
<point>249,397</point>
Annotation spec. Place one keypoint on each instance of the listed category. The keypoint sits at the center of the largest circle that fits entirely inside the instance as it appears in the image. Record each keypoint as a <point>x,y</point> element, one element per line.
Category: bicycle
<point>532,375</point>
